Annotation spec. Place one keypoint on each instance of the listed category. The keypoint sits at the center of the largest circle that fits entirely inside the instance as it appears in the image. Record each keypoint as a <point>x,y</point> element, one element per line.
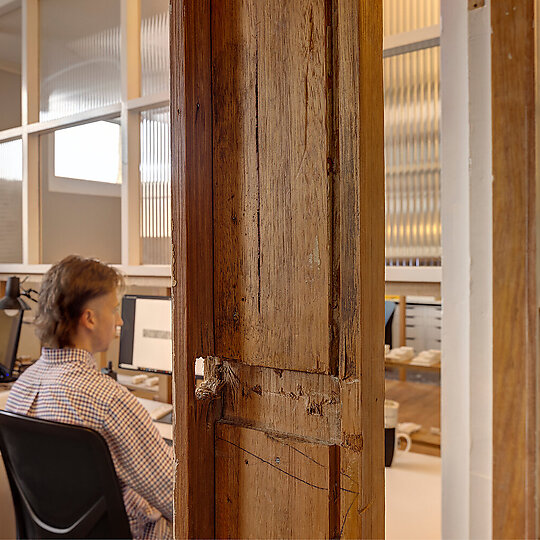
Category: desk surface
<point>126,380</point>
<point>419,403</point>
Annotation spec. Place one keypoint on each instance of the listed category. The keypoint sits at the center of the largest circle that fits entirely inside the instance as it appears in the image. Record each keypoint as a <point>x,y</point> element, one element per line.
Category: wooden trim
<point>151,101</point>
<point>84,117</point>
<point>192,264</point>
<point>415,40</point>
<point>402,321</point>
<point>514,270</point>
<point>361,259</point>
<point>11,133</point>
<point>130,26</point>
<point>130,201</point>
<point>30,62</point>
<point>31,207</point>
<point>30,113</point>
<point>130,121</point>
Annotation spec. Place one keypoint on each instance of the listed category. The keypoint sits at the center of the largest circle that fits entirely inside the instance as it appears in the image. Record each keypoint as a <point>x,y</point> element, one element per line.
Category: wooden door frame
<point>515,308</point>
<point>192,263</point>
<point>192,267</point>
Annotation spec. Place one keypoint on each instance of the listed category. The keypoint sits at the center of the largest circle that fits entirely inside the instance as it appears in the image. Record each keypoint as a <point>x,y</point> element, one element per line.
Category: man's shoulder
<point>100,385</point>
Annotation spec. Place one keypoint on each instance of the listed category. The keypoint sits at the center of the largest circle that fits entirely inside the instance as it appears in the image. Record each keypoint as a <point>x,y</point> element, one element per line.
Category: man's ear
<point>87,319</point>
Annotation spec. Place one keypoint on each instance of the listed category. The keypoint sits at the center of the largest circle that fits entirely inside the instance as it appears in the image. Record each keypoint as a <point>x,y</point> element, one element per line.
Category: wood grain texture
<point>192,266</point>
<point>514,271</point>
<point>278,199</point>
<point>361,216</point>
<point>289,403</point>
<point>270,183</point>
<point>270,487</point>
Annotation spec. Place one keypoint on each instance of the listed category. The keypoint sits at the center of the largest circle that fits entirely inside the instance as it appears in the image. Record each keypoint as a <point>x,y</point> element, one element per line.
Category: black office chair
<point>62,479</point>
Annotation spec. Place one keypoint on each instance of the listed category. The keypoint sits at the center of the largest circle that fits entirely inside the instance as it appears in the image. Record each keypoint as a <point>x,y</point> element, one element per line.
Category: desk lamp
<point>12,301</point>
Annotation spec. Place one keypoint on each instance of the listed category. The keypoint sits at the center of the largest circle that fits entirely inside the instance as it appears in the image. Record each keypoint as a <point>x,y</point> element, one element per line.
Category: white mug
<point>407,440</point>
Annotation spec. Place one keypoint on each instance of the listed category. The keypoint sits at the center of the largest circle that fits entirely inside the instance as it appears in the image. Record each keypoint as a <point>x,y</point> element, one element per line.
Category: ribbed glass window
<point>412,117</point>
<point>412,133</point>
<point>10,66</point>
<point>154,46</point>
<point>79,56</point>
<point>155,174</point>
<point>407,15</point>
<point>11,201</point>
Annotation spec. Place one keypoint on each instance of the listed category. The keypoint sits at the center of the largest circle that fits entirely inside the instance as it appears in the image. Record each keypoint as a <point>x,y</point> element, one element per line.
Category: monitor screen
<point>10,330</point>
<point>146,336</point>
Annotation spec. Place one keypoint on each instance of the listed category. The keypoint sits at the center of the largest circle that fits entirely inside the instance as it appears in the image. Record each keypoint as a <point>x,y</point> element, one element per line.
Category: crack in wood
<point>257,148</point>
<point>272,465</point>
<point>347,515</point>
<point>282,470</point>
<point>299,451</point>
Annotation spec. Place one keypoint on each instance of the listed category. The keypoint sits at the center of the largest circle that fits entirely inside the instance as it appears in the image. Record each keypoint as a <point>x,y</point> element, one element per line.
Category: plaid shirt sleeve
<point>143,461</point>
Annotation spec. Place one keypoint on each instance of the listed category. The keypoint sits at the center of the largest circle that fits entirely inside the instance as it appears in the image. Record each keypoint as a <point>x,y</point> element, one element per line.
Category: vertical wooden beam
<point>192,263</point>
<point>402,331</point>
<point>402,321</point>
<point>514,270</point>
<point>30,62</point>
<point>30,114</point>
<point>130,21</point>
<point>361,254</point>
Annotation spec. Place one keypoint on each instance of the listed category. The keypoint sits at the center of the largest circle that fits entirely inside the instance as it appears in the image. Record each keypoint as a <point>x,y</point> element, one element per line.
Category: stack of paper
<point>427,358</point>
<point>401,354</point>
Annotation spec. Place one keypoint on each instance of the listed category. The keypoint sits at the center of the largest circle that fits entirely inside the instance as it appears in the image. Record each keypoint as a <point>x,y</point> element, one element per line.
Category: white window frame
<point>30,130</point>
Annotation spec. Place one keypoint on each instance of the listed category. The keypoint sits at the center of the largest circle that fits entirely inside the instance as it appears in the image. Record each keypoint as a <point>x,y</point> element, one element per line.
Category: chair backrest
<point>62,479</point>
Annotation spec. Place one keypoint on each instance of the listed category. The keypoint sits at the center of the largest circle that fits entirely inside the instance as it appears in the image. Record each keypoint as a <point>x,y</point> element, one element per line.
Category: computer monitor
<point>10,331</point>
<point>146,336</point>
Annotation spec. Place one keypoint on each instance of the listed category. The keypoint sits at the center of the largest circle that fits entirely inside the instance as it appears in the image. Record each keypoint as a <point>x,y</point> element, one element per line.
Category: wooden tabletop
<point>419,403</point>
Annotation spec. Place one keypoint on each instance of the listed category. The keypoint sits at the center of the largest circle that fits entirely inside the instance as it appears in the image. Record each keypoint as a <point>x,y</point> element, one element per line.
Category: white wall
<point>466,398</point>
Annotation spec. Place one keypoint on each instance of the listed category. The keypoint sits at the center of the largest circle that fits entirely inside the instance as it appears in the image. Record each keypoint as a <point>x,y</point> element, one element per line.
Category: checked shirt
<point>65,386</point>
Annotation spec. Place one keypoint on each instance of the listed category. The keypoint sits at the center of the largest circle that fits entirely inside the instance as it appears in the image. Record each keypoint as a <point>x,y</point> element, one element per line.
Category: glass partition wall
<point>412,118</point>
<point>84,132</point>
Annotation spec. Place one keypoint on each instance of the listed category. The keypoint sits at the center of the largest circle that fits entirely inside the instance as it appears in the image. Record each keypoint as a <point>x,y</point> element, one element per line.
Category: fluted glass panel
<point>154,46</point>
<point>10,67</point>
<point>11,201</point>
<point>412,121</point>
<point>407,15</point>
<point>79,56</point>
<point>80,192</point>
<point>155,174</point>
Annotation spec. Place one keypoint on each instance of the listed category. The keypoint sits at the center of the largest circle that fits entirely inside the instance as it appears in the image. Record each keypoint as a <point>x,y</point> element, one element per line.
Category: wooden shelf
<point>407,365</point>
